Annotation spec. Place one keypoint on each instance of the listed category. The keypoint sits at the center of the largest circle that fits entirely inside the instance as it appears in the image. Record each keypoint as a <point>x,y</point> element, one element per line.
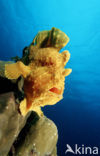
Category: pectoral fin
<point>2,67</point>
<point>38,110</point>
<point>23,106</point>
<point>13,71</point>
<point>24,110</point>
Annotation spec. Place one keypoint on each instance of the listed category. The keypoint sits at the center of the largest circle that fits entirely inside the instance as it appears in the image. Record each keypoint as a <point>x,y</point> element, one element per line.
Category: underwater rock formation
<point>41,139</point>
<point>40,134</point>
<point>11,122</point>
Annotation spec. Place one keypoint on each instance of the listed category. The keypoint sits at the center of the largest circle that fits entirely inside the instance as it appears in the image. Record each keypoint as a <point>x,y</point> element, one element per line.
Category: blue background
<point>77,116</point>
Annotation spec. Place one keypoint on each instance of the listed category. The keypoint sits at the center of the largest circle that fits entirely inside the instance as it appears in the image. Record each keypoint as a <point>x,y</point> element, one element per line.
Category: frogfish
<point>42,67</point>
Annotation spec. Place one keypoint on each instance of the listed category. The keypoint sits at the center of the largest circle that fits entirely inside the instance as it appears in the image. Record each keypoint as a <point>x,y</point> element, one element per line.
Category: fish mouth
<point>56,90</point>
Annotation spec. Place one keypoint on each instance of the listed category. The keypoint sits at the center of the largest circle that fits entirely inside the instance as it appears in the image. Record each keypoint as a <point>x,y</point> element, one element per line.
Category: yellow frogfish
<point>42,69</point>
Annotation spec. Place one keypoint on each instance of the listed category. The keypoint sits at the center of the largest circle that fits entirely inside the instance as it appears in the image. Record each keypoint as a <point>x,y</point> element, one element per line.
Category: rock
<point>11,122</point>
<point>40,140</point>
<point>24,136</point>
<point>54,153</point>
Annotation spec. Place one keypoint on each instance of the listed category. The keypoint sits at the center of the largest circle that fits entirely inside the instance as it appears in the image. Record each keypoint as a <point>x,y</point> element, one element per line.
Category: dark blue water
<point>77,116</point>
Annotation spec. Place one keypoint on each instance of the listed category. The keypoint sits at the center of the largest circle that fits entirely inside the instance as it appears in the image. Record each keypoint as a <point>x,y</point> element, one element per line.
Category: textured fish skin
<point>42,67</point>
